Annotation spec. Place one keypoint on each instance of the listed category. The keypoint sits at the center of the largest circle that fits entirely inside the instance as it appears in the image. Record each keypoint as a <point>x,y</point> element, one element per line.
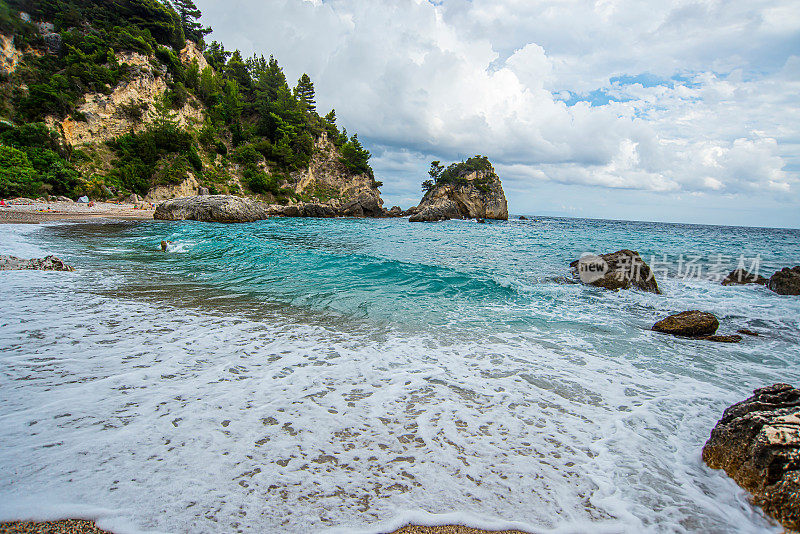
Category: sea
<point>357,375</point>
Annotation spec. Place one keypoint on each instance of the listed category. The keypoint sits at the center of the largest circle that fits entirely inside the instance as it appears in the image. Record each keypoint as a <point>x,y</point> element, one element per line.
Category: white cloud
<point>420,81</point>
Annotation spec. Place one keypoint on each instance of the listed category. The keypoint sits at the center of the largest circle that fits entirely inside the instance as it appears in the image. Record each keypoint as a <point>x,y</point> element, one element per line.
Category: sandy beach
<point>79,526</point>
<point>41,211</point>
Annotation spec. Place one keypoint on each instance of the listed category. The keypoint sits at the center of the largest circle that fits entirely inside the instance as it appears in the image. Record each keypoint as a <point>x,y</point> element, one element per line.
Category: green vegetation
<point>255,125</point>
<point>457,173</point>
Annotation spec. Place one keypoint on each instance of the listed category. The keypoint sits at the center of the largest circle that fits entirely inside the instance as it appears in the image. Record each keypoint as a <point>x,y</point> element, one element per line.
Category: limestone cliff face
<point>129,108</point>
<point>10,56</point>
<point>478,195</point>
<point>328,180</point>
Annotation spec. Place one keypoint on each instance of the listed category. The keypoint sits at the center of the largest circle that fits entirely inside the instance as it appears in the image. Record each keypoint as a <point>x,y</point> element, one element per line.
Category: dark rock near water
<point>203,191</point>
<point>786,281</point>
<point>442,210</point>
<point>481,221</point>
<point>757,443</point>
<point>747,332</point>
<point>741,277</point>
<point>523,218</point>
<point>623,269</point>
<point>692,323</point>
<point>212,208</point>
<point>364,205</point>
<point>50,263</point>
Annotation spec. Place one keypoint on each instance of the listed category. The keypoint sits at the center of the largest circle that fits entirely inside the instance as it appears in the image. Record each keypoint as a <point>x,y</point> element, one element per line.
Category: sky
<point>679,111</point>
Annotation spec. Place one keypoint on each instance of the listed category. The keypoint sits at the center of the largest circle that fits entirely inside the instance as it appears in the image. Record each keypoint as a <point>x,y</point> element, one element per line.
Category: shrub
<point>17,176</point>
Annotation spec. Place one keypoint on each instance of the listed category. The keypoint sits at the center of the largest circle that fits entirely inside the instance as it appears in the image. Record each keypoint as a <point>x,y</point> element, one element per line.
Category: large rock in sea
<point>623,269</point>
<point>786,281</point>
<point>741,277</point>
<point>757,443</point>
<point>692,323</point>
<point>464,193</point>
<point>50,263</point>
<point>211,208</point>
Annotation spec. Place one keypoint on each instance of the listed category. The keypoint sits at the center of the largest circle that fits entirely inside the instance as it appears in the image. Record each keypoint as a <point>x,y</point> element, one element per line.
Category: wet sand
<point>40,212</point>
<point>79,526</point>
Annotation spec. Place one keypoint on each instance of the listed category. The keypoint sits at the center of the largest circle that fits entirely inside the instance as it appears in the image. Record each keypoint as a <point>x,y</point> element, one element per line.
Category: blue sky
<point>682,111</point>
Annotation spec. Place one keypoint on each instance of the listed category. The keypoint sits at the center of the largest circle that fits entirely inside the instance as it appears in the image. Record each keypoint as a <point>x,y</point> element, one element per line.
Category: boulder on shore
<point>211,208</point>
<point>692,323</point>
<point>757,443</point>
<point>786,281</point>
<point>623,269</point>
<point>50,263</point>
<point>741,277</point>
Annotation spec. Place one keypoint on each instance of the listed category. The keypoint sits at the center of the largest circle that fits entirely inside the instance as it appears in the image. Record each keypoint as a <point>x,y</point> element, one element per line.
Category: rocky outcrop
<point>786,281</point>
<point>476,195</point>
<point>757,443</point>
<point>211,208</point>
<point>328,181</point>
<point>50,263</point>
<point>129,107</point>
<point>233,209</point>
<point>10,56</point>
<point>623,269</point>
<point>187,188</point>
<point>741,277</point>
<point>689,324</point>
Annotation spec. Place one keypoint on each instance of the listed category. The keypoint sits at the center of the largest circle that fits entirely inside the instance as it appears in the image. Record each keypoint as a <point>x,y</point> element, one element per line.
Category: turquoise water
<point>402,370</point>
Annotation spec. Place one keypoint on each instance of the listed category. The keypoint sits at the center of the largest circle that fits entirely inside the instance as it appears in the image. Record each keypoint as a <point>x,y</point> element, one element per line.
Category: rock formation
<point>464,194</point>
<point>689,323</point>
<point>786,281</point>
<point>233,209</point>
<point>50,263</point>
<point>741,277</point>
<point>623,269</point>
<point>211,208</point>
<point>757,443</point>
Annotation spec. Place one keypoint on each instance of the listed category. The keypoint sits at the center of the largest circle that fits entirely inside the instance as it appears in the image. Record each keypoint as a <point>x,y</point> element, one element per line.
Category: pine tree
<point>331,117</point>
<point>190,14</point>
<point>304,92</point>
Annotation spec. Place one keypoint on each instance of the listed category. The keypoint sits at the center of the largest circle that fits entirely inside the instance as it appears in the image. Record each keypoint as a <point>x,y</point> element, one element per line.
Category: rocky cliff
<point>462,192</point>
<point>143,108</point>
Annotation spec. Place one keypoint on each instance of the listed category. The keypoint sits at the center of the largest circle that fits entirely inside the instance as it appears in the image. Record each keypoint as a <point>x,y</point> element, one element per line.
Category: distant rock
<point>212,208</point>
<point>366,204</point>
<point>467,190</point>
<point>523,218</point>
<point>741,277</point>
<point>757,443</point>
<point>689,324</point>
<point>396,211</point>
<point>786,281</point>
<point>623,269</point>
<point>50,263</point>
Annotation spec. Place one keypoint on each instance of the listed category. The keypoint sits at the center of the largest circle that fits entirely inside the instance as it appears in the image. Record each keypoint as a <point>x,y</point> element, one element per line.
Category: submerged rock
<point>692,323</point>
<point>747,332</point>
<point>786,281</point>
<point>723,339</point>
<point>50,263</point>
<point>757,443</point>
<point>211,208</point>
<point>623,269</point>
<point>741,277</point>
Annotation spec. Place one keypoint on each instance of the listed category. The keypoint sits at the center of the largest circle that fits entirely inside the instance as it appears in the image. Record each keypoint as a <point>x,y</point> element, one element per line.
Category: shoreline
<point>42,212</point>
<point>82,526</point>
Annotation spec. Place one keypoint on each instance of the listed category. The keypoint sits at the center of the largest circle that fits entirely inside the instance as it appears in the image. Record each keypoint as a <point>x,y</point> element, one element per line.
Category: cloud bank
<point>682,98</point>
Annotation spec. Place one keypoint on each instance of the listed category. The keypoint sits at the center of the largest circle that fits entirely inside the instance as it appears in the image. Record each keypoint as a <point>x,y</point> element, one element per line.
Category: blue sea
<point>353,375</point>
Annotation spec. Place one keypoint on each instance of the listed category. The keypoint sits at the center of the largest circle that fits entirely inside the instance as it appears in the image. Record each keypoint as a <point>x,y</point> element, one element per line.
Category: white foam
<point>184,420</point>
